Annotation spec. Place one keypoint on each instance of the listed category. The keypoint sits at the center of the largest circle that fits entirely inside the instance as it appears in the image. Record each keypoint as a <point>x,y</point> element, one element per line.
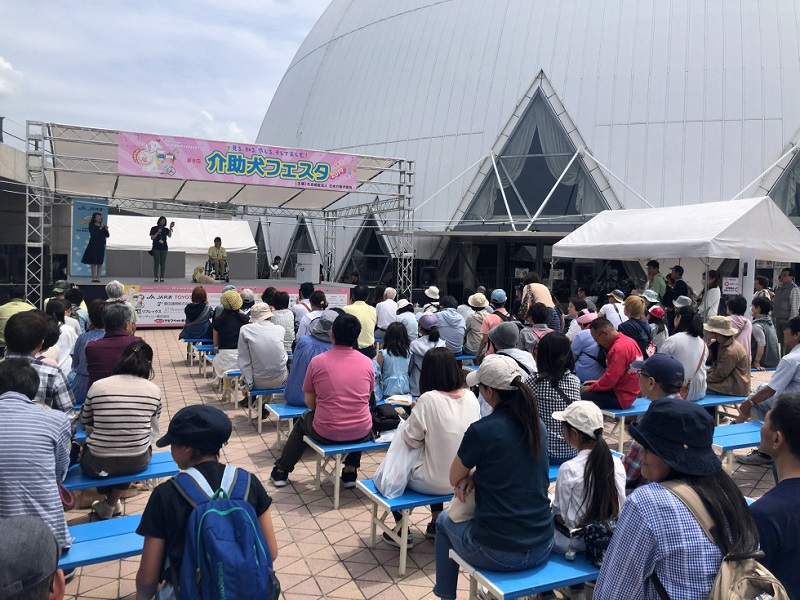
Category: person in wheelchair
<point>217,260</point>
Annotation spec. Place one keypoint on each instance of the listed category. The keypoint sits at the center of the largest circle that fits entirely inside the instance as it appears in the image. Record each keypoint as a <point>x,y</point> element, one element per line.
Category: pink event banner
<point>149,155</point>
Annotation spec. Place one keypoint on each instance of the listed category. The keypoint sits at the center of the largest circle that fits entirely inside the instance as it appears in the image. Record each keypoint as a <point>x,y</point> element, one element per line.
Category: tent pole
<point>705,292</point>
<point>503,192</point>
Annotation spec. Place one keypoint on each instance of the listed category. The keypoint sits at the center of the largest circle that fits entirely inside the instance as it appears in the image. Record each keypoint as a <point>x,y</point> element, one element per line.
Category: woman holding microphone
<point>159,235</point>
<point>96,248</point>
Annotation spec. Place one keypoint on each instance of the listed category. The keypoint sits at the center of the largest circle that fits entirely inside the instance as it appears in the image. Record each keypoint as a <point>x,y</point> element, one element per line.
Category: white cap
<point>497,372</point>
<point>583,415</point>
<point>402,303</point>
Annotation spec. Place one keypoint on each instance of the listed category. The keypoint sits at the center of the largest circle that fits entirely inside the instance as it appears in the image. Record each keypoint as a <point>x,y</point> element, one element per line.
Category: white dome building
<point>679,102</point>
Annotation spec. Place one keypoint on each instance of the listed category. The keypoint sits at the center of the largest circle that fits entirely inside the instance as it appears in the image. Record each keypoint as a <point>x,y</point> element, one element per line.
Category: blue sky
<point>199,69</point>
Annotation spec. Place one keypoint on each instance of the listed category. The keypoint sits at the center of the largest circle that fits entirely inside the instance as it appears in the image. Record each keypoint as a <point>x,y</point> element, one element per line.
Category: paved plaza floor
<point>322,552</point>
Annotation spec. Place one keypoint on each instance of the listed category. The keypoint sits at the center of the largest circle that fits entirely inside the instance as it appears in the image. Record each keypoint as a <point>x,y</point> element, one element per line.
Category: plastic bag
<point>392,475</point>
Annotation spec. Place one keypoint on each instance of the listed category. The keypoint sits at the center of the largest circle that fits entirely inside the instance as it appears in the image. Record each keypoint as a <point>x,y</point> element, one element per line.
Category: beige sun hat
<point>478,301</point>
<point>720,325</point>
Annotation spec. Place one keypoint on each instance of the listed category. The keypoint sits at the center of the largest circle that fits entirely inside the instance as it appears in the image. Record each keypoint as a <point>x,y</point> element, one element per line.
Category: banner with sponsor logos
<point>170,157</point>
<point>162,306</point>
<point>82,211</point>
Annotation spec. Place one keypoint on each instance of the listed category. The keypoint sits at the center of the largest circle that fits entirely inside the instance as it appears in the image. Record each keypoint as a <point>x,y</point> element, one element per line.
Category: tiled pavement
<point>322,552</point>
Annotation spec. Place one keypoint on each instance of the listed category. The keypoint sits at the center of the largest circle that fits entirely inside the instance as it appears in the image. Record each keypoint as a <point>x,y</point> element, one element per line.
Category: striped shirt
<point>34,459</point>
<point>120,415</point>
<point>54,390</point>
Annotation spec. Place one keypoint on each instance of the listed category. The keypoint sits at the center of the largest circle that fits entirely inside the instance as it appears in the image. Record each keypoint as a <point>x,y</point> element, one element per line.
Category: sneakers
<point>349,479</point>
<point>430,531</point>
<point>754,458</point>
<point>104,511</point>
<point>393,544</point>
<point>279,478</point>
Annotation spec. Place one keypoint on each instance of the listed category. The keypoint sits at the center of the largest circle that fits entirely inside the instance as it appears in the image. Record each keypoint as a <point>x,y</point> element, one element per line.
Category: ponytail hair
<point>599,491</point>
<point>136,360</point>
<point>432,333</point>
<point>522,405</point>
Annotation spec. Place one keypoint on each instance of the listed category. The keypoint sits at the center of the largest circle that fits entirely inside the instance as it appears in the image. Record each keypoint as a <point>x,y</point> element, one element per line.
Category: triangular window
<point>302,243</point>
<point>530,163</point>
<point>369,256</point>
<point>786,191</point>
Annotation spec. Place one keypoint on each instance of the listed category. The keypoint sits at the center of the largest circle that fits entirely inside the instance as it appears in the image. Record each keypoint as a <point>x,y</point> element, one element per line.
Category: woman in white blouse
<point>437,423</point>
<point>687,345</point>
<point>709,301</point>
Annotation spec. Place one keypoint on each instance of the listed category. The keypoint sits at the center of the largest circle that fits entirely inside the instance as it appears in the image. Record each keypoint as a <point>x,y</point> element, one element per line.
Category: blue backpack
<point>226,555</point>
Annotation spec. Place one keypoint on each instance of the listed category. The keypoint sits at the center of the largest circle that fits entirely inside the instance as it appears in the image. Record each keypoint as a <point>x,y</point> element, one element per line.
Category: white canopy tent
<point>748,229</point>
<point>711,230</point>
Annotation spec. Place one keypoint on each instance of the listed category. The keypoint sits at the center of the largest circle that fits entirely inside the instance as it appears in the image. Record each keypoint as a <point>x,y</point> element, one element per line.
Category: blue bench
<point>717,400</point>
<point>284,414</point>
<point>162,465</point>
<point>728,438</point>
<point>202,351</point>
<point>336,454</point>
<point>638,408</point>
<point>103,541</point>
<point>403,504</point>
<point>80,435</point>
<point>190,344</point>
<point>464,356</point>
<point>230,385</point>
<point>556,572</point>
<point>258,401</point>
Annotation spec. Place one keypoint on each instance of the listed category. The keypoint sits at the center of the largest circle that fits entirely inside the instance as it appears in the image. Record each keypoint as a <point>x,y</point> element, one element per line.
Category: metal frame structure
<point>388,183</point>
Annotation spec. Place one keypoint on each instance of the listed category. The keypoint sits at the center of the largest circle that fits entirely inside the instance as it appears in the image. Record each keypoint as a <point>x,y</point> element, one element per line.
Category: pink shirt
<point>342,379</point>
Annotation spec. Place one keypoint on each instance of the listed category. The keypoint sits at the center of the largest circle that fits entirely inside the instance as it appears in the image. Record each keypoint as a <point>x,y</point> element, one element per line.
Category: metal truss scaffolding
<point>66,161</point>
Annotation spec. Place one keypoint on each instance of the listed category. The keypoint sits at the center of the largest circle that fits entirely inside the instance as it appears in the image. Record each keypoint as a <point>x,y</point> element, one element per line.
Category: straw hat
<point>432,292</point>
<point>477,301</point>
<point>720,325</point>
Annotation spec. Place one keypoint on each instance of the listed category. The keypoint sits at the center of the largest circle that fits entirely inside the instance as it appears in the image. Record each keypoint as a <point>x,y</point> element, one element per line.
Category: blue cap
<point>661,367</point>
<point>499,296</point>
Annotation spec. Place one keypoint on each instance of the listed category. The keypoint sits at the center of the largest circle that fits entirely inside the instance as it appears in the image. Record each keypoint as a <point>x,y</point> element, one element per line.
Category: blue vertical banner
<point>82,211</point>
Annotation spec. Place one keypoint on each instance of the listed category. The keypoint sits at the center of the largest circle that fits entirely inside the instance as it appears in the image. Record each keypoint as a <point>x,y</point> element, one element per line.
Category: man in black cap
<point>29,560</point>
<point>196,435</point>
<point>676,290</point>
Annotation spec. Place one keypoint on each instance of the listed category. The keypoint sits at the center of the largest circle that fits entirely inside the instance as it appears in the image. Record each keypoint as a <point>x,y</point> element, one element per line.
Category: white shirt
<point>74,323</point>
<point>568,500</point>
<point>688,350</point>
<point>574,329</point>
<point>614,313</point>
<point>66,344</point>
<point>303,307</point>
<point>387,313</point>
<point>305,322</point>
<point>710,304</point>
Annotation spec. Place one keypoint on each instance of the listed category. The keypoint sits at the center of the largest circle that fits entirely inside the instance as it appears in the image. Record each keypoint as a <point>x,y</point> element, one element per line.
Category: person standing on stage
<point>95,252</point>
<point>159,235</point>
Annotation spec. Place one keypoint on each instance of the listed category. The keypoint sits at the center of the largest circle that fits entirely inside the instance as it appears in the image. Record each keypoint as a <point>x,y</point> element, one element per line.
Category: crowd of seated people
<point>533,400</point>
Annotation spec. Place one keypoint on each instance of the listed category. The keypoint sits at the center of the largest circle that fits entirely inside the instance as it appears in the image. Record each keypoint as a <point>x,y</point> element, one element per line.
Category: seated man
<point>308,346</point>
<point>337,387</point>
<point>619,385</point>
<point>217,256</point>
<point>386,311</point>
<point>367,317</point>
<point>261,354</point>
<point>16,304</point>
<point>785,380</point>
<point>24,338</point>
<point>103,354</point>
<point>115,291</point>
<point>730,373</point>
<point>30,560</point>
<point>35,453</point>
<point>451,325</point>
<point>765,350</point>
<point>777,513</point>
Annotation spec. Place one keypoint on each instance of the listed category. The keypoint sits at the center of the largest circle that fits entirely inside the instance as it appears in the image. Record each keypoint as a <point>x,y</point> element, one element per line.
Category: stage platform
<point>161,304</point>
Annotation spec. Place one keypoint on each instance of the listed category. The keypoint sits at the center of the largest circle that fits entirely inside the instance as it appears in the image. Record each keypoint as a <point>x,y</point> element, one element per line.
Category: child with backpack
<point>536,319</point>
<point>590,488</point>
<point>210,510</point>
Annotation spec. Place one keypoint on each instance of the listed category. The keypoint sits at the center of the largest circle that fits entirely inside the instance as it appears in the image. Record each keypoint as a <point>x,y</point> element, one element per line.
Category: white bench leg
<point>404,541</point>
<point>226,388</point>
<point>727,462</point>
<point>318,477</point>
<point>189,355</point>
<point>621,440</point>
<point>373,537</point>
<point>234,391</point>
<point>473,588</point>
<point>337,480</point>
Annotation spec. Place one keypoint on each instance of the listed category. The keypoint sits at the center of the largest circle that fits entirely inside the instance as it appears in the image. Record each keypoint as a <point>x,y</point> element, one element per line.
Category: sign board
<point>170,157</point>
<point>557,274</point>
<point>520,273</point>
<point>730,285</point>
<point>162,306</point>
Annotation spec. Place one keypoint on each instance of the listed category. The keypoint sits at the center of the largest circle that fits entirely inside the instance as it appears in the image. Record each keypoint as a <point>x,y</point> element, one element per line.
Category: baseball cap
<point>682,301</point>
<point>428,321</point>
<point>679,269</point>
<point>583,415</point>
<point>661,367</point>
<point>247,295</point>
<point>198,426</point>
<point>29,554</point>
<point>60,286</point>
<point>499,296</point>
<point>497,372</point>
<point>618,294</point>
<point>504,335</point>
<point>657,312</point>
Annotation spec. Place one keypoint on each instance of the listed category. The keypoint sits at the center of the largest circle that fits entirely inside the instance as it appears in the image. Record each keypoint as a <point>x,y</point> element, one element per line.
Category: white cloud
<point>9,78</point>
<point>207,127</point>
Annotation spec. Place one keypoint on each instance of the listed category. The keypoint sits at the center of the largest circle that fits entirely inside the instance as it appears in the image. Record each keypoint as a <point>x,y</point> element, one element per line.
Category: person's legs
<point>163,262</point>
<point>294,447</point>
<point>94,466</point>
<point>602,399</point>
<point>156,259</point>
